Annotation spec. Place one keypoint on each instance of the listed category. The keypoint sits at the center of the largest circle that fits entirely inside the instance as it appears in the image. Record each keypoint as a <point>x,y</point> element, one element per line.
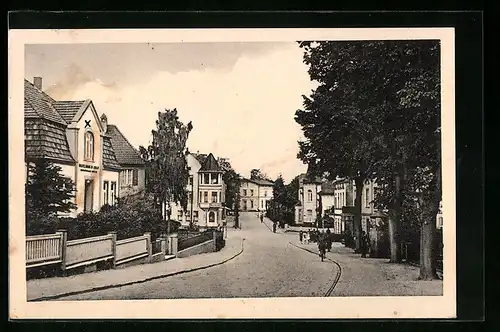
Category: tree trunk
<point>395,221</point>
<point>359,182</point>
<point>428,232</point>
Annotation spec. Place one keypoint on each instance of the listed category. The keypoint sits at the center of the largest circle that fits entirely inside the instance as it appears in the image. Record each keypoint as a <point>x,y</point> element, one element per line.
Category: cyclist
<point>322,246</point>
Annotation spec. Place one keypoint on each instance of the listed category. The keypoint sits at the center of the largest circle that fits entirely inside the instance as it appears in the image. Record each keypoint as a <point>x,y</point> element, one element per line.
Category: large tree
<point>377,110</point>
<point>257,174</point>
<point>48,192</point>
<point>338,123</point>
<point>167,163</point>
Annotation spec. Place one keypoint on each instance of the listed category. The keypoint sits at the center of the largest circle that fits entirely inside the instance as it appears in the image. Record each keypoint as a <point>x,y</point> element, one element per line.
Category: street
<point>270,266</point>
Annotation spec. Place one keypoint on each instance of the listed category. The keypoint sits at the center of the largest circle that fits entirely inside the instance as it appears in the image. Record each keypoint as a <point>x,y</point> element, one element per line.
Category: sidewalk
<point>52,288</point>
<point>376,276</point>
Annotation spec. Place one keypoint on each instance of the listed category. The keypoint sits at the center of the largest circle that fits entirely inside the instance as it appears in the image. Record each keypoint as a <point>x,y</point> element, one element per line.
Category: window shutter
<point>135,179</point>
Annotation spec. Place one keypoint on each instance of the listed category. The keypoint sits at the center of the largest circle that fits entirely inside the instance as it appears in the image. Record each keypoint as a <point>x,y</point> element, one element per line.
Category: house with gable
<point>255,194</point>
<point>206,193</point>
<point>71,135</point>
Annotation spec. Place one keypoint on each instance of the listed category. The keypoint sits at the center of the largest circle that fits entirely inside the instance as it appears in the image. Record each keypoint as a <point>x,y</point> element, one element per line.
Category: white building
<point>306,208</point>
<point>255,194</point>
<point>71,135</point>
<point>206,193</point>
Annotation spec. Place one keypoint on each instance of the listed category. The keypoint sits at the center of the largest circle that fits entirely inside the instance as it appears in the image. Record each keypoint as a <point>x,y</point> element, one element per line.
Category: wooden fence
<point>50,249</point>
<point>44,249</point>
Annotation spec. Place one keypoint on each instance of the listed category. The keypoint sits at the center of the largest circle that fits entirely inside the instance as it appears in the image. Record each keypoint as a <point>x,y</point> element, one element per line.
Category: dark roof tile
<point>68,109</point>
<point>108,156</point>
<point>37,104</point>
<point>210,164</point>
<point>125,153</point>
<point>45,139</point>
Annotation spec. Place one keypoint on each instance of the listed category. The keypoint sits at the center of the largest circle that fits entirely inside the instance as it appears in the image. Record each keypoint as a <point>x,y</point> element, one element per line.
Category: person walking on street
<point>328,240</point>
<point>300,236</point>
<point>274,227</point>
<point>365,244</point>
<point>262,217</point>
<point>322,246</point>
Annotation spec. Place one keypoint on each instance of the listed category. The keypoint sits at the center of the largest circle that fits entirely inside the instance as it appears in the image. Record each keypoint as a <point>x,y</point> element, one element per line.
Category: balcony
<point>206,205</point>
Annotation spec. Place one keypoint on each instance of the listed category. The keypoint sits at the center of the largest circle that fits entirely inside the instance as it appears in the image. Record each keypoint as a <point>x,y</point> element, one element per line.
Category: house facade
<point>306,209</point>
<point>255,194</point>
<point>70,134</point>
<point>206,193</point>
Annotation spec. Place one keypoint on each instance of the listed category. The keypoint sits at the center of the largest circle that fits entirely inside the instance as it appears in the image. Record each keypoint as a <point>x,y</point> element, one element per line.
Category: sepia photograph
<point>256,171</point>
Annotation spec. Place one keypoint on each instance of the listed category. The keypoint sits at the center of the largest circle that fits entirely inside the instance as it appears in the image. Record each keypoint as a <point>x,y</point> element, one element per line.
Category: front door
<point>89,195</point>
<point>211,217</point>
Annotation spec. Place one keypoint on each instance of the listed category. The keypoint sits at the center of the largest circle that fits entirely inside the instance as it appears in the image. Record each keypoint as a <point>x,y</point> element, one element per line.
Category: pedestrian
<point>321,246</point>
<point>364,244</point>
<point>262,217</point>
<point>328,240</point>
<point>301,236</point>
<point>274,227</point>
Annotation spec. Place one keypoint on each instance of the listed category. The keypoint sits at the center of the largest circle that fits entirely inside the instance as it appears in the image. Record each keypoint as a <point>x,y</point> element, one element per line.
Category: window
<point>214,197</point>
<point>129,177</point>
<point>113,193</point>
<point>262,204</point>
<point>251,204</point>
<point>195,215</point>
<point>199,197</point>
<point>106,192</point>
<point>309,195</point>
<point>190,197</point>
<point>89,146</point>
<point>215,178</point>
<point>244,192</point>
<point>190,180</point>
<point>265,193</point>
<point>188,216</point>
<point>205,197</point>
<point>251,192</point>
<point>367,197</point>
<point>244,204</point>
<point>309,213</point>
<point>206,178</point>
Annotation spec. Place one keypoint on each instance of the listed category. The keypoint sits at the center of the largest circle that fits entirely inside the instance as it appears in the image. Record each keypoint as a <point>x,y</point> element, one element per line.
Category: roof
<point>46,139</point>
<point>261,182</point>
<point>125,152</point>
<point>108,154</point>
<point>306,178</point>
<point>210,164</point>
<point>201,157</point>
<point>37,104</point>
<point>45,123</point>
<point>68,109</point>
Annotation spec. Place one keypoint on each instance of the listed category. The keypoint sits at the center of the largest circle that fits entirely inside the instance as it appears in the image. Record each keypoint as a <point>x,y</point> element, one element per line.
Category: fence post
<point>163,245</point>
<point>113,247</point>
<point>149,245</point>
<point>63,244</point>
<point>174,244</point>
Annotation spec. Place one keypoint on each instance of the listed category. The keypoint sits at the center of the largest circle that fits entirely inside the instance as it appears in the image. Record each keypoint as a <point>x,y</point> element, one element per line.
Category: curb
<point>95,289</point>
<point>339,269</point>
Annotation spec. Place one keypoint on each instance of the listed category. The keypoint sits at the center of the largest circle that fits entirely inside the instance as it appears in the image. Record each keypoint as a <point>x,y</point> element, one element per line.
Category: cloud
<point>246,114</point>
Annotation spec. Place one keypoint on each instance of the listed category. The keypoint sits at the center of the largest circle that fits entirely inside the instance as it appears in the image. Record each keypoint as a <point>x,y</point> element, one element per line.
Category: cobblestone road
<point>268,267</point>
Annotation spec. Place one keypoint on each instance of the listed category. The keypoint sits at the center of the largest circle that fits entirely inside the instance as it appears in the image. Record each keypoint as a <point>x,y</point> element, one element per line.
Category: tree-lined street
<point>272,267</point>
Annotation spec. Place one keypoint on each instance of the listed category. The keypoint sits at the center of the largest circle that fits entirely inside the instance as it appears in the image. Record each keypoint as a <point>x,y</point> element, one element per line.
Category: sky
<point>240,97</point>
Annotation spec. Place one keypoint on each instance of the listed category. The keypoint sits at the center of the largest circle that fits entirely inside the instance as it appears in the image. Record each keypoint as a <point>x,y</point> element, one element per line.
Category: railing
<point>193,241</point>
<point>44,249</point>
<point>132,248</point>
<point>89,250</point>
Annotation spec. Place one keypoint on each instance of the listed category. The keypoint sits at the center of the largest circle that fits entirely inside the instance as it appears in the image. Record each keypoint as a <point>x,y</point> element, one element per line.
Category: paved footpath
<point>52,288</point>
<point>371,276</point>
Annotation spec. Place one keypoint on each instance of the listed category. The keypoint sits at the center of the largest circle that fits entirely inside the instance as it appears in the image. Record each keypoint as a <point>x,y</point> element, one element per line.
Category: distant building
<point>89,151</point>
<point>206,193</point>
<point>307,208</point>
<point>255,194</point>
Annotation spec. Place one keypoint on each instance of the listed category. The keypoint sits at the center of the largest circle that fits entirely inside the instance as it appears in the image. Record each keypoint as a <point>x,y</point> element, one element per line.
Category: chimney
<point>37,81</point>
<point>104,122</point>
